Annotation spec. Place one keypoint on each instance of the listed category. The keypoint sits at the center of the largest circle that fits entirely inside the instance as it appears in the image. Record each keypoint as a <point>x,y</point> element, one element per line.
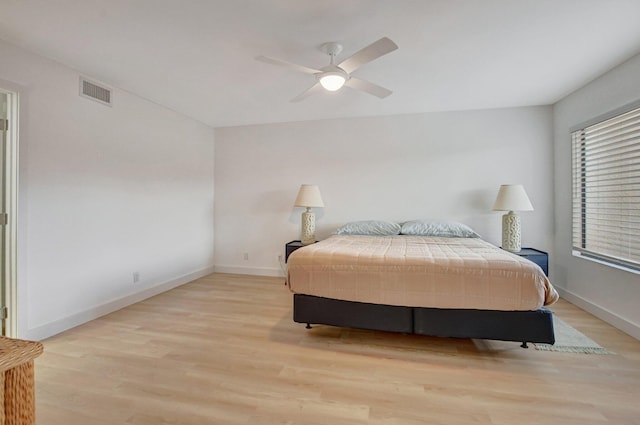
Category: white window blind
<point>606,190</point>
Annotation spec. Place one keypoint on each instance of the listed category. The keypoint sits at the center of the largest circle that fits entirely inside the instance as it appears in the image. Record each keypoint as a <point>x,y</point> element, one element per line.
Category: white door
<point>8,210</point>
<point>4,126</point>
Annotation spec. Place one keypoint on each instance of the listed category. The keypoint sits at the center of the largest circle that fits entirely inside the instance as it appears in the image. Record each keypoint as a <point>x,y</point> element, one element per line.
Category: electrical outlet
<point>279,256</point>
<point>136,277</point>
<point>246,256</point>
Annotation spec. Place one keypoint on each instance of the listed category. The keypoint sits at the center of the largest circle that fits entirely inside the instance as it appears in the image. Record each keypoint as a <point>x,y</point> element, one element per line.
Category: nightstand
<point>290,247</point>
<point>541,258</point>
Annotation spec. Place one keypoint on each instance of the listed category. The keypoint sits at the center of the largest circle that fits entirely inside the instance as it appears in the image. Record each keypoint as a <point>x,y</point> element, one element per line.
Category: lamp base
<point>511,232</point>
<point>308,235</point>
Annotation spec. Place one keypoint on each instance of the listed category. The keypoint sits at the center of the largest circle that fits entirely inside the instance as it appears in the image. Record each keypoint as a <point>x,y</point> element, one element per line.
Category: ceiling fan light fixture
<point>333,76</point>
<point>332,80</point>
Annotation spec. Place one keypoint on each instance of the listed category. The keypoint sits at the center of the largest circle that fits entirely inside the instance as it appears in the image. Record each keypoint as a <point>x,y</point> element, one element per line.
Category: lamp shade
<point>332,81</point>
<point>309,196</point>
<point>512,197</point>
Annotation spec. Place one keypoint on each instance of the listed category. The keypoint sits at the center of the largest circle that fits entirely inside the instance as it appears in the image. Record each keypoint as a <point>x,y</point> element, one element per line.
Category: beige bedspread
<point>419,271</point>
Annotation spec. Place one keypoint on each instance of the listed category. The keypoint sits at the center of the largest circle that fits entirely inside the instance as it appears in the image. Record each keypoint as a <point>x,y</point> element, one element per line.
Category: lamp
<point>511,197</point>
<point>308,197</point>
<point>332,80</point>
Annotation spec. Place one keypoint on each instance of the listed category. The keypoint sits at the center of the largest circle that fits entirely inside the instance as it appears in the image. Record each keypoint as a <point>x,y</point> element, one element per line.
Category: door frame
<point>11,209</point>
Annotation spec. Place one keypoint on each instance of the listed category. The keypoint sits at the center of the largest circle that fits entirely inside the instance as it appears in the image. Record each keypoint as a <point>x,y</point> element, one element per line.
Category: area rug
<point>570,340</point>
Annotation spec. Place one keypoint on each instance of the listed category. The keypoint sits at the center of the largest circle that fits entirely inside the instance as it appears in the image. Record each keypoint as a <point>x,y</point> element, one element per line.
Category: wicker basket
<point>17,381</point>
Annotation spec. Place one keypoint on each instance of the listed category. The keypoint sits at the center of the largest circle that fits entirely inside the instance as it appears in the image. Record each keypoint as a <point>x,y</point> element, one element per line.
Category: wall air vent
<point>93,91</point>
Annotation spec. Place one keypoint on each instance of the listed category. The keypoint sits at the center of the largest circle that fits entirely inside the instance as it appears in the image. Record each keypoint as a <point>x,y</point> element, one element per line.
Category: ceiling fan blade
<point>369,53</point>
<point>366,86</point>
<point>311,90</point>
<point>286,64</point>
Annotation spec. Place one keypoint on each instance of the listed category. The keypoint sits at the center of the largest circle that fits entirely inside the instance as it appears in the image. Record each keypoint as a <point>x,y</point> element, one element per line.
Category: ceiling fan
<point>332,77</point>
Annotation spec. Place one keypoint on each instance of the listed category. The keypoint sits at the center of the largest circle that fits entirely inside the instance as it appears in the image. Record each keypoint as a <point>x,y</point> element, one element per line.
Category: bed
<point>460,287</point>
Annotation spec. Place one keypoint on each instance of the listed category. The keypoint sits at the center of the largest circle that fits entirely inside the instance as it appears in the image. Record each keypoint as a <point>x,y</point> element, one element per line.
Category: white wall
<point>103,193</point>
<point>401,167</point>
<point>608,293</point>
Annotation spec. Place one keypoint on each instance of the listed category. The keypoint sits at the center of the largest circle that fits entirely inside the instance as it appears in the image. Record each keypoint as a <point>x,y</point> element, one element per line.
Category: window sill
<point>605,262</point>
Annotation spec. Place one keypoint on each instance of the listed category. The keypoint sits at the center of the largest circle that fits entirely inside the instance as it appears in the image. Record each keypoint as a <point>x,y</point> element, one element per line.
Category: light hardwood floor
<point>224,350</point>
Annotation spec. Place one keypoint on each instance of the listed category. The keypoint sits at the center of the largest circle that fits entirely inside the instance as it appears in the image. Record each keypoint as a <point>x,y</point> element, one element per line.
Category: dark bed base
<point>520,326</point>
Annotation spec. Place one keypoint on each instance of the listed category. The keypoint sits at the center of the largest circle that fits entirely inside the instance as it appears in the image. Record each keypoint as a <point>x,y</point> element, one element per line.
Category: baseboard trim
<point>254,271</point>
<point>52,328</point>
<point>613,319</point>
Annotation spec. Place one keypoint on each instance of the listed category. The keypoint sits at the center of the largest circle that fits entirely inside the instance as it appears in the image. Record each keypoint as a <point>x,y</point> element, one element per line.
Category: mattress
<point>419,271</point>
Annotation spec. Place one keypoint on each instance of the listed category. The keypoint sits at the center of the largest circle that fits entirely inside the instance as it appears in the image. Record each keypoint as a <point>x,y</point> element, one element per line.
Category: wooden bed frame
<point>520,326</point>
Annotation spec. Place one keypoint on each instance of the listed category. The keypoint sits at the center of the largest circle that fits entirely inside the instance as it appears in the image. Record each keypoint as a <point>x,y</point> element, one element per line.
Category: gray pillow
<point>369,227</point>
<point>438,228</point>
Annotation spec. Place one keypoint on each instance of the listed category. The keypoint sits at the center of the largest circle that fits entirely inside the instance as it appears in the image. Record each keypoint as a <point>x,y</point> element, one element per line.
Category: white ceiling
<point>197,56</point>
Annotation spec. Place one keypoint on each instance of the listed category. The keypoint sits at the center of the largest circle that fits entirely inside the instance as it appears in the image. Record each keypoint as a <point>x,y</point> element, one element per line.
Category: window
<point>606,189</point>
